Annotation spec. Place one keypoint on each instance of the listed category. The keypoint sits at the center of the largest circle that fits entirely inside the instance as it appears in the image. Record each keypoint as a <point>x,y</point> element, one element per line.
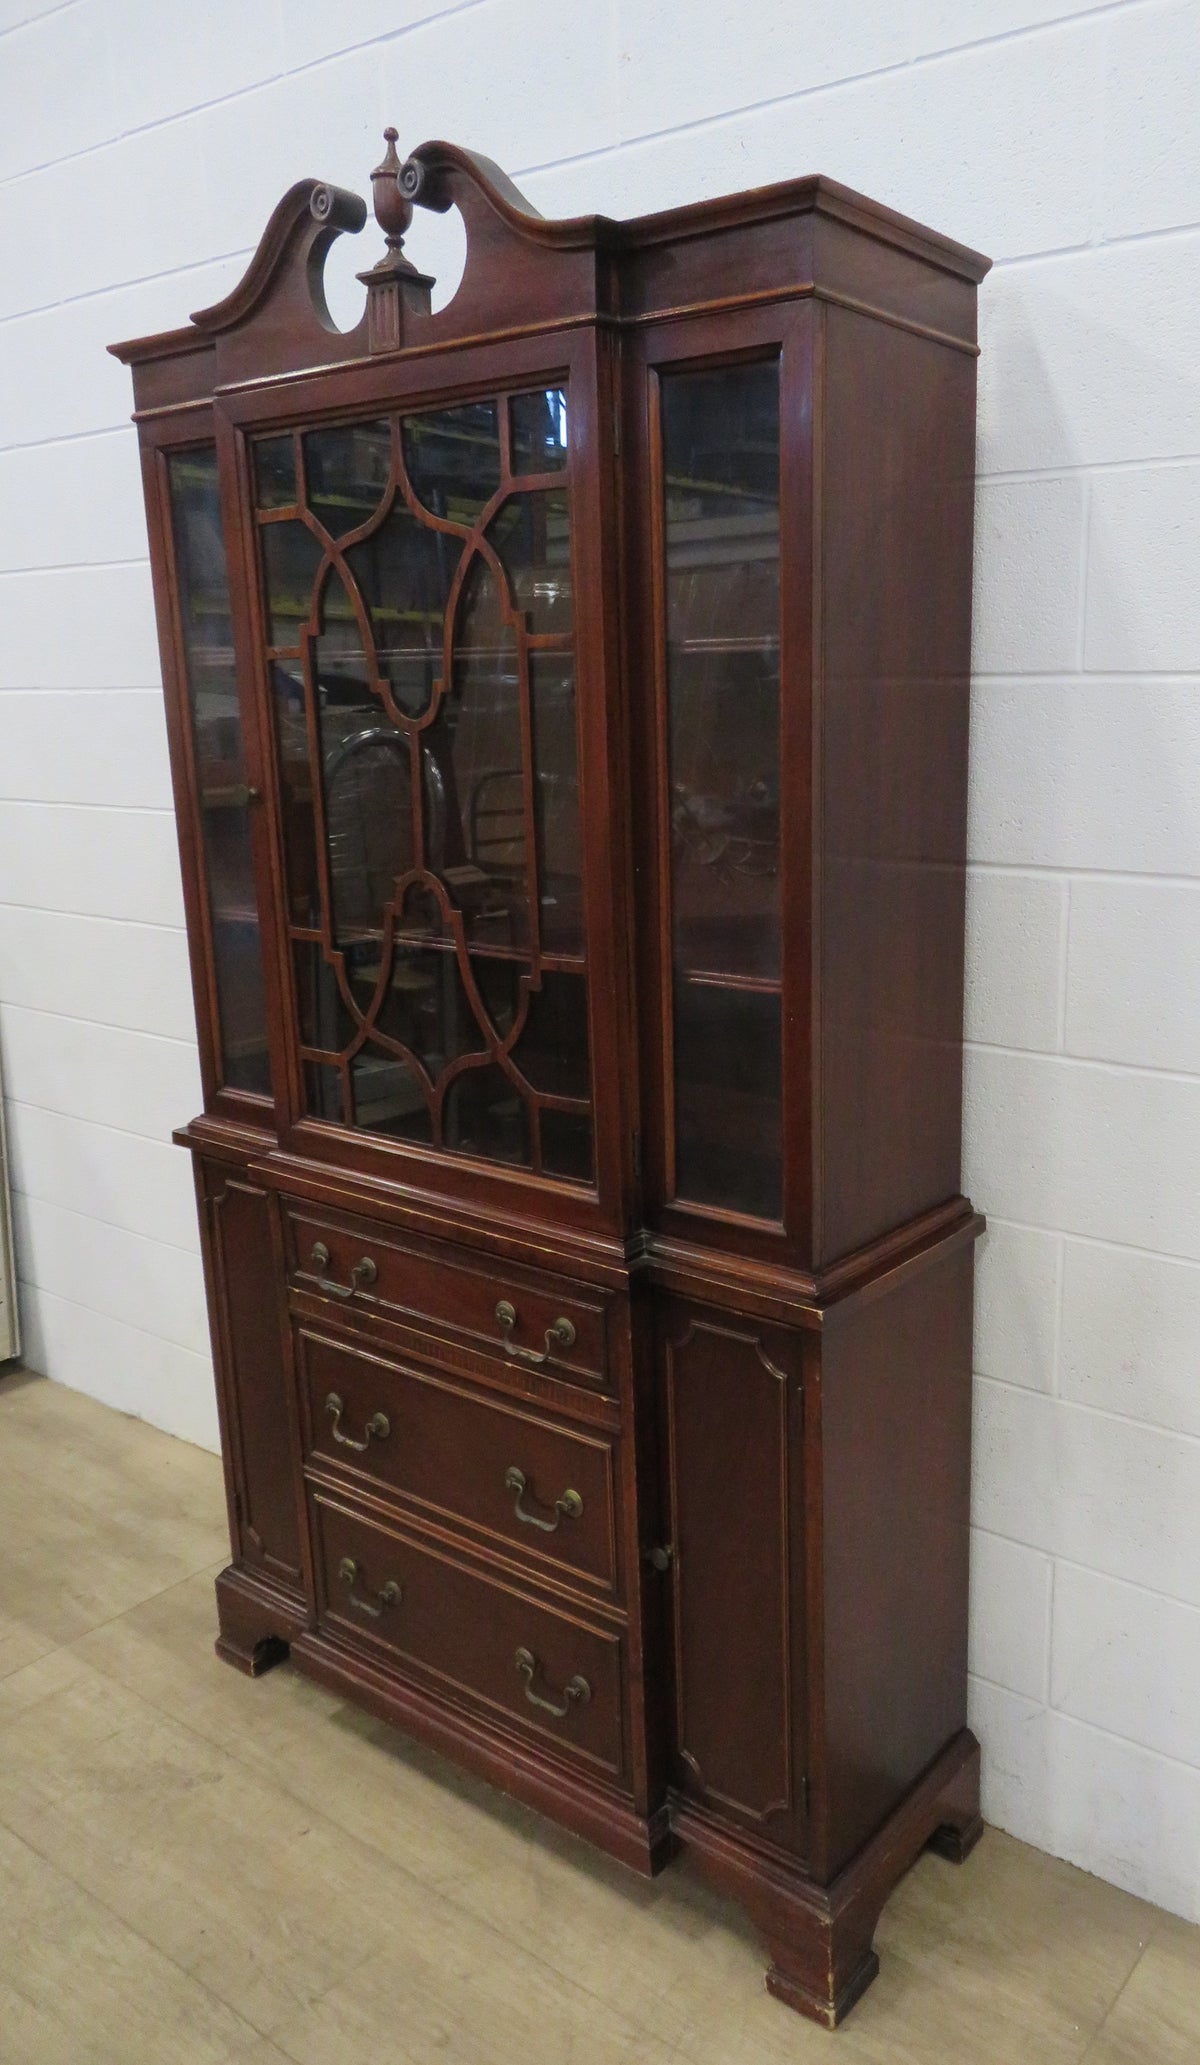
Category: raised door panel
<point>733,1417</point>
<point>249,1345</point>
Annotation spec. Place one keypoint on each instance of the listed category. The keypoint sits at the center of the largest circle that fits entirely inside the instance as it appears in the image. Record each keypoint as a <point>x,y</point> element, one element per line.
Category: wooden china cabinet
<point>567,694</point>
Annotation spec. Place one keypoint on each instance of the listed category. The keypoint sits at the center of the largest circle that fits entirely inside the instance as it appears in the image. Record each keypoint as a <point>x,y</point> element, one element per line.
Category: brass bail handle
<point>576,1691</point>
<point>364,1272</point>
<point>560,1334</point>
<point>378,1427</point>
<point>567,1506</point>
<point>387,1595</point>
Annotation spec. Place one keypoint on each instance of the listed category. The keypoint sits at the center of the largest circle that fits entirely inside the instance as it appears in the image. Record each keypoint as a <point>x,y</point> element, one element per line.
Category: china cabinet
<point>567,697</point>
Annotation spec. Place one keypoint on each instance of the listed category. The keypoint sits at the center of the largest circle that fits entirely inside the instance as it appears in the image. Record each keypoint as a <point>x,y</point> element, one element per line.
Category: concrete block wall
<point>142,144</point>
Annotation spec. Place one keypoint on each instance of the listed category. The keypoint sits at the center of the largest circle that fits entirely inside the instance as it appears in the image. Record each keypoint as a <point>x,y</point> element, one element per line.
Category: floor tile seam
<point>1110,2011</point>
<point>111,1619</point>
<point>250,2029</point>
<point>430,1889</point>
<point>436,1889</point>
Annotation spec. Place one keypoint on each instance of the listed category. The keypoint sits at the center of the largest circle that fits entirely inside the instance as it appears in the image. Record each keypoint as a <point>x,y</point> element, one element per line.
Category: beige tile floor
<point>194,1867</point>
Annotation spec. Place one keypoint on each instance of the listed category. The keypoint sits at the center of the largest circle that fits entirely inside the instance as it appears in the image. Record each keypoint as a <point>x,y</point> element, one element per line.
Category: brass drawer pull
<point>378,1425</point>
<point>363,1273</point>
<point>560,1335</point>
<point>569,1506</point>
<point>576,1691</point>
<point>387,1595</point>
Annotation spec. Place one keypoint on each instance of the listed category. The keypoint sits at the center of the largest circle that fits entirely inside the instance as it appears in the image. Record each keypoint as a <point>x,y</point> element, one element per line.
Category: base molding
<point>590,1810</point>
<point>820,1937</point>
<point>257,1620</point>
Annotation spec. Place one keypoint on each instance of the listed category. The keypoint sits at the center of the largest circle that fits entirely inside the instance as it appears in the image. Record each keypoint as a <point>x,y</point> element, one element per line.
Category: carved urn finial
<point>395,288</point>
<point>393,211</point>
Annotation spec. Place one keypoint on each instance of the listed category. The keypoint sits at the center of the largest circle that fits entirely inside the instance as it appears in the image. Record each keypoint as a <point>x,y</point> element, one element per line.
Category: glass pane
<point>453,459</point>
<point>486,1116</point>
<point>296,790</point>
<point>291,556</point>
<point>538,431</point>
<point>389,1097</point>
<point>728,1112</point>
<point>556,801</point>
<point>346,472</point>
<point>552,1052</point>
<point>366,774</point>
<point>404,571</point>
<point>531,532</point>
<point>442,774</point>
<point>567,1144</point>
<point>203,586</point>
<point>275,472</point>
<point>476,760</point>
<point>721,476</point>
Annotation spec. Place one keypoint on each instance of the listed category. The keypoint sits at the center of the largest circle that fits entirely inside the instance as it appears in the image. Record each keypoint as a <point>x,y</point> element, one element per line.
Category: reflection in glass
<point>531,532</point>
<point>389,1097</point>
<point>538,430</point>
<point>567,1144</point>
<point>552,1052</point>
<point>453,459</point>
<point>721,492</point>
<point>556,801</point>
<point>203,587</point>
<point>275,472</point>
<point>404,571</point>
<point>346,470</point>
<point>476,747</point>
<point>486,1116</point>
<point>291,556</point>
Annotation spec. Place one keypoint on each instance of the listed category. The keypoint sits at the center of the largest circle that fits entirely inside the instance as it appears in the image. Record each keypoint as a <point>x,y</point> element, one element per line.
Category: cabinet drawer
<point>526,1482</point>
<point>475,1639</point>
<point>514,1314</point>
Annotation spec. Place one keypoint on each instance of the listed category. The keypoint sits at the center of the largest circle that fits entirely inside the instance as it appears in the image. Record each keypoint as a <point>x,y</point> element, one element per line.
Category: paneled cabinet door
<point>258,1419</point>
<point>732,1411</point>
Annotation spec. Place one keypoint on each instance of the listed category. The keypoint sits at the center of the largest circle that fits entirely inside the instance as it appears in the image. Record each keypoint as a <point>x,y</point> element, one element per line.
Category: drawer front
<point>528,1483</point>
<point>516,1315</point>
<point>472,1638</point>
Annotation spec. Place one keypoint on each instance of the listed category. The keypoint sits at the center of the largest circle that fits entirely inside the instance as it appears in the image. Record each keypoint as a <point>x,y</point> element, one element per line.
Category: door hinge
<point>637,1157</point>
<point>804,1793</point>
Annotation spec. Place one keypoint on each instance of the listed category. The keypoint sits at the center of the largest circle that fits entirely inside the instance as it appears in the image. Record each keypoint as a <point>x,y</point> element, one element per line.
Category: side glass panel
<point>203,588</point>
<point>720,458</point>
<point>418,597</point>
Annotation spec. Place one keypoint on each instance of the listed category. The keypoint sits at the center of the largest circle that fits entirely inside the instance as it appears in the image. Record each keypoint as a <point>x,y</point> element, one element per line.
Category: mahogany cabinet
<point>567,696</point>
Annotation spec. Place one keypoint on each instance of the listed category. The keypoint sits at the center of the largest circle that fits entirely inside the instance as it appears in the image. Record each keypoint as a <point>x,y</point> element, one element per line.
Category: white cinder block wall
<point>142,144</point>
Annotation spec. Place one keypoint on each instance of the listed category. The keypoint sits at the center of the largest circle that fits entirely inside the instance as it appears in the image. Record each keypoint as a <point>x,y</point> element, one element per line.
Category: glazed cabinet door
<point>430,638</point>
<point>215,791</point>
<point>259,1441</point>
<point>722,514</point>
<point>732,1437</point>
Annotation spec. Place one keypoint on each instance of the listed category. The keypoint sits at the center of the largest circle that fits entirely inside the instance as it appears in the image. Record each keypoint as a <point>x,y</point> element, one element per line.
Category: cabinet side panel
<point>896,535</point>
<point>896,1434</point>
<point>253,1388</point>
<point>732,1399</point>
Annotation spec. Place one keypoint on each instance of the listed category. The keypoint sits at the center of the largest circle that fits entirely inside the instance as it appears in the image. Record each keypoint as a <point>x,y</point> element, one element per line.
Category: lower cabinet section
<point>487,1644</point>
<point>715,1599</point>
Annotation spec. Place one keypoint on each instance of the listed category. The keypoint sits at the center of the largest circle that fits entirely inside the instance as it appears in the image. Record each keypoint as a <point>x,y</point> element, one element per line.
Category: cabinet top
<point>525,274</point>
